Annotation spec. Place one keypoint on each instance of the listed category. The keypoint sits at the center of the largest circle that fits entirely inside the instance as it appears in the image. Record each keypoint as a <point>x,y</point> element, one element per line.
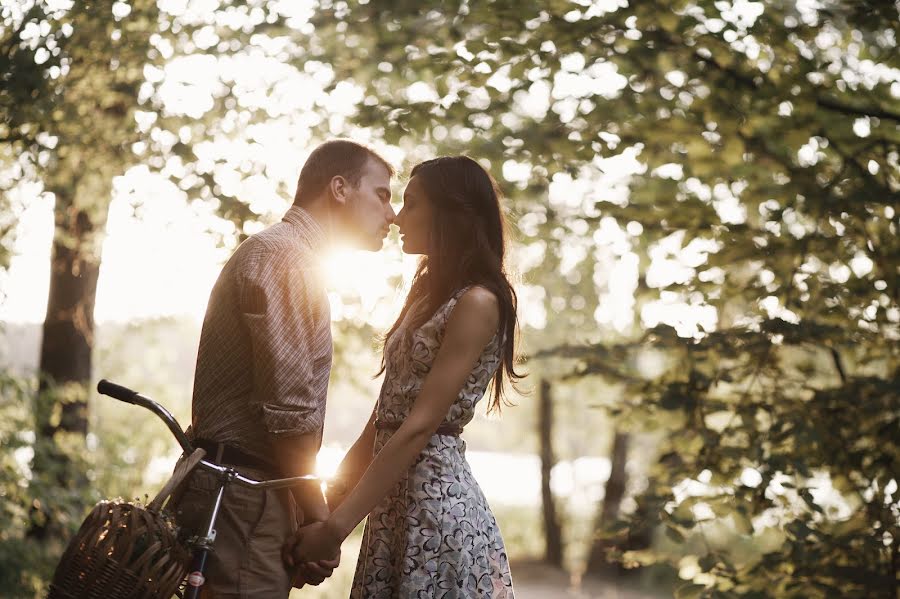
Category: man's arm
<point>297,456</point>
<point>287,317</point>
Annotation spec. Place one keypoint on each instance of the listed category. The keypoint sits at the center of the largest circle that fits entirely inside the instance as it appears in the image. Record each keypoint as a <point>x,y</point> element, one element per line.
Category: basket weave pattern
<point>121,550</point>
<point>124,550</point>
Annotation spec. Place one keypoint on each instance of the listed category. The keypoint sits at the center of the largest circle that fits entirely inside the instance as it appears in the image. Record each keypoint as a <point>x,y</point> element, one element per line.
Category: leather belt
<point>451,430</point>
<point>223,453</point>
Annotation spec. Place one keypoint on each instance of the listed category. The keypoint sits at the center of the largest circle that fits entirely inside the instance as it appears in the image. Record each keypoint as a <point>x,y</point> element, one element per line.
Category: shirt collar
<point>299,217</point>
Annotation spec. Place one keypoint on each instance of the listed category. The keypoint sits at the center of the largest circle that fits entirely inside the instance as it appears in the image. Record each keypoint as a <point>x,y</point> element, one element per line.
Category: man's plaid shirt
<point>265,348</point>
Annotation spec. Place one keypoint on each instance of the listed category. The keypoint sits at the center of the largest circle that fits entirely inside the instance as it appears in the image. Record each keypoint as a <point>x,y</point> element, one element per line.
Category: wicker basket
<point>124,550</point>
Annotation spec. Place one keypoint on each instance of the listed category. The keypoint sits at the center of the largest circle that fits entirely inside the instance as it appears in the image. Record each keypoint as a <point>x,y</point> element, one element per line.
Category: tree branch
<point>839,365</point>
<point>848,158</point>
<point>872,111</point>
<point>13,137</point>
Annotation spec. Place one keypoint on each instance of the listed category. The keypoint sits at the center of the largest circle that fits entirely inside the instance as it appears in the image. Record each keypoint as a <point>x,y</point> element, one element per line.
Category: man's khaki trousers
<point>251,529</point>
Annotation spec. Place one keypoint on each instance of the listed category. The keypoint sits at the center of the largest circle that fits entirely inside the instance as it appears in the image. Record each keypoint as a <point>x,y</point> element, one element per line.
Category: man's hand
<point>314,573</point>
<point>298,579</point>
<point>315,542</point>
<point>306,571</point>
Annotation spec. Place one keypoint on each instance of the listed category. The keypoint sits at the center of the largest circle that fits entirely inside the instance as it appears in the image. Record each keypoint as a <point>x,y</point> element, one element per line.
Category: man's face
<point>368,213</point>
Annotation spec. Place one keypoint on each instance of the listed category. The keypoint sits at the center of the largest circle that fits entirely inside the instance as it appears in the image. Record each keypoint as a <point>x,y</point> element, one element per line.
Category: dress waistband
<point>451,430</point>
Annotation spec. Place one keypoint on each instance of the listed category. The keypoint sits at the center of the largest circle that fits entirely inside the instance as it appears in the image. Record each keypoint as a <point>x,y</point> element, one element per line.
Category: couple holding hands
<point>262,375</point>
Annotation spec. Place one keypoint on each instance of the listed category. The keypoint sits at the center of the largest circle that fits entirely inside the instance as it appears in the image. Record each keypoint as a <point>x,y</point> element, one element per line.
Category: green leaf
<point>674,534</point>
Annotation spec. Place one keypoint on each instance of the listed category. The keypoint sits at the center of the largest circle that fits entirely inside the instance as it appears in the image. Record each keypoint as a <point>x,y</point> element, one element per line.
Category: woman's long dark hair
<point>467,247</point>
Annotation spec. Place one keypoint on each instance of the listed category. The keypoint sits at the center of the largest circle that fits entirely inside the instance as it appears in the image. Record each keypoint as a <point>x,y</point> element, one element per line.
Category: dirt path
<point>535,580</point>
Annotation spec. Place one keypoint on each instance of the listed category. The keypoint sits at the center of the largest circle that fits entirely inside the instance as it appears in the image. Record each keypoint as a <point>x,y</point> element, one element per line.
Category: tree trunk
<point>68,332</point>
<point>612,500</point>
<point>61,417</point>
<point>552,528</point>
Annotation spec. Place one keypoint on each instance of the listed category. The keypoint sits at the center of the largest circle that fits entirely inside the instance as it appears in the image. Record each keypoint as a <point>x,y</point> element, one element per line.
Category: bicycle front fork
<point>196,575</point>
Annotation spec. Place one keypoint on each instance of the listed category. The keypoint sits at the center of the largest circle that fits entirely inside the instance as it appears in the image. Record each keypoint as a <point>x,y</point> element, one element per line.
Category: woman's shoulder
<point>466,302</point>
<point>478,303</point>
<point>477,297</point>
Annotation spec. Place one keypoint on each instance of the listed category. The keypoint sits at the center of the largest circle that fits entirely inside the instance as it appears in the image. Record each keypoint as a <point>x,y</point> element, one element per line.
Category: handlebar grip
<point>119,392</point>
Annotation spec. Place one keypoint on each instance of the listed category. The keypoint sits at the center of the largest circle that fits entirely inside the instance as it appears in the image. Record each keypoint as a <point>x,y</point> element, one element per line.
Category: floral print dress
<point>433,535</point>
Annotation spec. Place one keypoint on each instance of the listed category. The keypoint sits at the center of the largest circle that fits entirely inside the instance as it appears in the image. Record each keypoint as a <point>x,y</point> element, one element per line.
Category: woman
<point>430,532</point>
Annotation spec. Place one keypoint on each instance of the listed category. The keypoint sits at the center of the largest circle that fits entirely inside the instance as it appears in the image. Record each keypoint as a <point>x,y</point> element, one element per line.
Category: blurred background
<point>703,204</point>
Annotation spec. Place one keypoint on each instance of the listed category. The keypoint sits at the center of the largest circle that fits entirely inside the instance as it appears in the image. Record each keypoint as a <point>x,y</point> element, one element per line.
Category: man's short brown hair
<point>337,157</point>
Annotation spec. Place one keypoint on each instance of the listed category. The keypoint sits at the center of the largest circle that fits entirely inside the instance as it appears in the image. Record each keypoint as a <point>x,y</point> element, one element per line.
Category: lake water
<point>506,478</point>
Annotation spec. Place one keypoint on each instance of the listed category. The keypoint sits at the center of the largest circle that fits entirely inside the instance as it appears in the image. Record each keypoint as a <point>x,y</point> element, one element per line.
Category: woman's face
<point>414,220</point>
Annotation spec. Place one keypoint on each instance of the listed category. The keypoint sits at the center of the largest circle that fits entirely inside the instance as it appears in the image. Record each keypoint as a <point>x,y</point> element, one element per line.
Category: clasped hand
<point>313,552</point>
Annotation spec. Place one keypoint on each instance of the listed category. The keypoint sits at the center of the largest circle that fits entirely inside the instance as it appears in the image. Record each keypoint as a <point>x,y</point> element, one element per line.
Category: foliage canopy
<point>768,135</point>
<point>761,144</point>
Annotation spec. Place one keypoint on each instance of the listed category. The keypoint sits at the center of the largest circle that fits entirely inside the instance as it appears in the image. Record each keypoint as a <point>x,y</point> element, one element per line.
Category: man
<point>263,366</point>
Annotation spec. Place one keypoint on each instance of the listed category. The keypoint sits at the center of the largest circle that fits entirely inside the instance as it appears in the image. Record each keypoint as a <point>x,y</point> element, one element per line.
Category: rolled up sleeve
<point>286,313</point>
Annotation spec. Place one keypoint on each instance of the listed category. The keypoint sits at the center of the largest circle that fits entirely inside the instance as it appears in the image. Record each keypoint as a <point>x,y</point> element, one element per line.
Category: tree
<point>553,546</point>
<point>71,88</point>
<point>769,139</point>
<point>83,99</point>
<point>609,514</point>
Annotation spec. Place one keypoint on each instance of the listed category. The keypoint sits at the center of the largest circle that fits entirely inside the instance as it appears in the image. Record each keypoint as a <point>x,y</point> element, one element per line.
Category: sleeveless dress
<point>433,535</point>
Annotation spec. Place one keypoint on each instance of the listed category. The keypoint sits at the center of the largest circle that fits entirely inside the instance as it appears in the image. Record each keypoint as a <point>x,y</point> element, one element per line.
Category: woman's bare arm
<point>470,328</point>
<point>354,464</point>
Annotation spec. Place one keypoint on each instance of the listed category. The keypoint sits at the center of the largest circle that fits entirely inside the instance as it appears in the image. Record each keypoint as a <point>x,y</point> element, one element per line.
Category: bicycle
<point>200,545</point>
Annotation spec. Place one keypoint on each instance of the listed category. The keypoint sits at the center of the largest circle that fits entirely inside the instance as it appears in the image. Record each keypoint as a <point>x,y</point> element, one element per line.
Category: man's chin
<point>375,245</point>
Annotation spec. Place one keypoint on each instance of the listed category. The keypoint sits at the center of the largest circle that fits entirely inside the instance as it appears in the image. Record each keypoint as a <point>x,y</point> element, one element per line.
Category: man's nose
<point>391,215</point>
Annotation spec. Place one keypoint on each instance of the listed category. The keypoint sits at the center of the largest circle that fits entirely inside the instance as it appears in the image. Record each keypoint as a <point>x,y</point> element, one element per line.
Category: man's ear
<point>338,187</point>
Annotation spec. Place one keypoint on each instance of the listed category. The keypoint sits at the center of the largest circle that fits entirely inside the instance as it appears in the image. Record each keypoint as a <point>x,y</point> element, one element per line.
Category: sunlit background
<point>164,247</point>
<point>162,253</point>
<point>160,256</point>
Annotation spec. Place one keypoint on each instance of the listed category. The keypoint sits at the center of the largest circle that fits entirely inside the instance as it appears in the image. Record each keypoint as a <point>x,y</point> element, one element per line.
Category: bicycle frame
<point>203,545</point>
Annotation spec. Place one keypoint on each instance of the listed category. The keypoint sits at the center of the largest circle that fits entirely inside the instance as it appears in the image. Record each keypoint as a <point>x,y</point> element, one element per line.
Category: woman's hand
<point>314,543</point>
<point>314,573</point>
<point>308,572</point>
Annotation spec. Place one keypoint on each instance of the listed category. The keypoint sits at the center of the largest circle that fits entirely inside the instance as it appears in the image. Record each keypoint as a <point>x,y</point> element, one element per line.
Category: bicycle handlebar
<point>119,392</point>
<point>130,396</point>
<point>133,397</point>
<point>274,483</point>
